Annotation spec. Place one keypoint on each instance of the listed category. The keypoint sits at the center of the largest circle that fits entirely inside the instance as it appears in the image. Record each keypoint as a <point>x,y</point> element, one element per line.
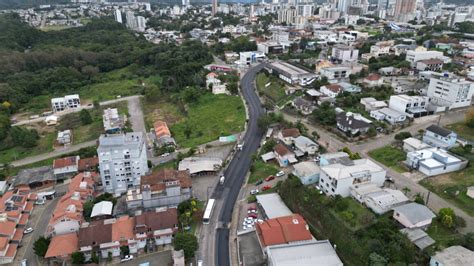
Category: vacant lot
<point>390,157</point>
<point>261,170</point>
<point>463,131</point>
<point>453,187</point>
<point>162,110</point>
<point>275,92</point>
<point>45,144</point>
<point>208,118</point>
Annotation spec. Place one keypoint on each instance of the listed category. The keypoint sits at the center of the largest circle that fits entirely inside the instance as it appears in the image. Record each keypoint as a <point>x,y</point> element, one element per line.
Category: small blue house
<point>437,136</point>
<point>308,172</point>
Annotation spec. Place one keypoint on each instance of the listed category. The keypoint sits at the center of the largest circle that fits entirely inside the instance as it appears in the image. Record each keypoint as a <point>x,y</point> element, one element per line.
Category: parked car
<point>319,189</point>
<point>24,262</point>
<point>266,188</point>
<point>253,215</point>
<point>259,182</point>
<point>279,174</point>
<point>251,208</point>
<point>389,179</point>
<point>254,191</point>
<point>39,202</point>
<point>127,258</point>
<point>165,154</point>
<point>269,178</point>
<point>28,230</point>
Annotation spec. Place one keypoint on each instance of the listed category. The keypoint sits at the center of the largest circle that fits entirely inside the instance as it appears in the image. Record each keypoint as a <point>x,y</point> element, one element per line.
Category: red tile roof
<point>290,132</point>
<point>157,180</point>
<point>373,77</point>
<point>11,252</point>
<point>62,246</point>
<point>18,234</point>
<point>281,149</point>
<point>7,228</point>
<point>283,230</point>
<point>3,243</point>
<point>161,129</point>
<point>334,88</point>
<point>88,163</point>
<point>122,229</point>
<point>156,220</point>
<point>24,219</point>
<point>66,161</point>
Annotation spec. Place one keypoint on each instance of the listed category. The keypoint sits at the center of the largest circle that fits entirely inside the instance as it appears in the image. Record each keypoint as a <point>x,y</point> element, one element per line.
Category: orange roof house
<point>161,129</point>
<point>62,246</point>
<point>283,230</point>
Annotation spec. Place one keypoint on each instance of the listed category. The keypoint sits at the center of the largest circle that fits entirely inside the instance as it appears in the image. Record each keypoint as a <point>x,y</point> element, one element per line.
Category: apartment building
<point>450,91</point>
<point>343,53</point>
<point>429,65</point>
<point>66,102</point>
<point>414,56</point>
<point>412,106</point>
<point>122,161</point>
<point>292,74</point>
<point>338,178</point>
<point>332,73</point>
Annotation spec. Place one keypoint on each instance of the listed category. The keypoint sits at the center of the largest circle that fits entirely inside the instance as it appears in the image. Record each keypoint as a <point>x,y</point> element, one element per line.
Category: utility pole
<point>428,197</point>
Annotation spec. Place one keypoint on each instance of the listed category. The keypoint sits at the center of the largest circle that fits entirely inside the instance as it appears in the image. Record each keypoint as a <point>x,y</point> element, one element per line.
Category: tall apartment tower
<point>118,16</point>
<point>214,7</point>
<point>122,161</point>
<point>404,10</point>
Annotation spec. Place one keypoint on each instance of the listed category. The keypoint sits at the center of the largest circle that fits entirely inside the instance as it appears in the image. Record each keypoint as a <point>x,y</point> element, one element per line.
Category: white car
<point>28,230</point>
<point>127,258</point>
<point>251,211</point>
<point>259,221</point>
<point>279,174</point>
<point>165,154</point>
<point>245,227</point>
<point>254,191</point>
<point>39,202</point>
<point>24,262</point>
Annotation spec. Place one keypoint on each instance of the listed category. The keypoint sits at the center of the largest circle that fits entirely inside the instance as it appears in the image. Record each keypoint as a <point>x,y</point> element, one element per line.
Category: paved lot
<point>249,249</point>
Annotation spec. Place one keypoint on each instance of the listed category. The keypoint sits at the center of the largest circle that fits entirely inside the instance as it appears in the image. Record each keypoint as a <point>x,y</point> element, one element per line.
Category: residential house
<point>284,156</point>
<point>381,48</point>
<point>16,207</point>
<point>440,137</point>
<point>413,215</point>
<point>371,104</point>
<point>413,144</point>
<point>429,64</point>
<point>305,253</point>
<point>434,161</point>
<point>122,161</point>
<point>453,255</point>
<point>344,53</point>
<point>308,172</point>
<point>165,187</point>
<point>352,124</point>
<point>88,164</point>
<point>35,178</point>
<point>373,80</point>
<point>102,209</point>
<point>450,91</point>
<point>283,230</point>
<point>338,178</point>
<point>383,201</point>
<point>51,120</point>
<point>305,145</point>
<point>288,135</point>
<point>61,247</point>
<point>64,137</point>
<point>272,206</point>
<point>418,237</point>
<point>412,106</point>
<point>67,102</point>
<point>304,106</point>
<point>331,90</point>
<point>335,73</point>
<point>66,167</point>
<point>163,134</point>
<point>351,88</point>
<point>389,115</point>
<point>113,122</point>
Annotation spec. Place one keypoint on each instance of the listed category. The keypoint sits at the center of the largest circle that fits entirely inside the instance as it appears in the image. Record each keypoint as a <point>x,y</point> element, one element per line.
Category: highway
<point>235,174</point>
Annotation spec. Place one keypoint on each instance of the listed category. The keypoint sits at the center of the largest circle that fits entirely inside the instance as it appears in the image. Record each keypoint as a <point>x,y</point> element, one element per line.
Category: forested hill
<point>13,4</point>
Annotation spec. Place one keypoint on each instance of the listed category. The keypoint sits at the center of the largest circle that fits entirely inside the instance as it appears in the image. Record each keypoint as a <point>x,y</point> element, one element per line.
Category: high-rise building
<point>131,20</point>
<point>450,91</point>
<point>141,24</point>
<point>343,5</point>
<point>118,15</point>
<point>287,15</point>
<point>404,10</point>
<point>122,161</point>
<point>214,7</point>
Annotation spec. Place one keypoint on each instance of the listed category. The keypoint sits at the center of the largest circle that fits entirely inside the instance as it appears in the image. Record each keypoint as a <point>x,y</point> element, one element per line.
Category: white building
<point>338,178</point>
<point>415,56</point>
<point>413,215</point>
<point>291,74</point>
<point>389,115</point>
<point>303,253</point>
<point>122,161</point>
<point>454,255</point>
<point>434,161</point>
<point>372,104</point>
<point>383,201</point>
<point>344,53</point>
<point>247,58</point>
<point>66,102</point>
<point>118,16</point>
<point>413,144</point>
<point>412,106</point>
<point>332,73</point>
<point>381,48</point>
<point>450,91</point>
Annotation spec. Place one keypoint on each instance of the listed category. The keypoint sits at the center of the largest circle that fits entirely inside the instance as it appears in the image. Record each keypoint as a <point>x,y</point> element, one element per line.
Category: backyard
<point>203,123</point>
<point>390,157</point>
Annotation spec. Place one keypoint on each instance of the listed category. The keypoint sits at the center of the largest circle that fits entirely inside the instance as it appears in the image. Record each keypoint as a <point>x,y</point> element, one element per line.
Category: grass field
<point>463,131</point>
<point>389,156</point>
<point>275,91</point>
<point>108,90</point>
<point>355,216</point>
<point>163,110</point>
<point>168,165</point>
<point>208,118</point>
<point>45,144</point>
<point>261,170</point>
<point>453,187</point>
<point>442,235</point>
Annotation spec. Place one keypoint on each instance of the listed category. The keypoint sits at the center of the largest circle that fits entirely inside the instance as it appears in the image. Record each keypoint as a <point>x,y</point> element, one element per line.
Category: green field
<point>45,144</point>
<point>275,91</point>
<point>463,131</point>
<point>441,234</point>
<point>390,157</point>
<point>208,118</point>
<point>261,170</point>
<point>453,187</point>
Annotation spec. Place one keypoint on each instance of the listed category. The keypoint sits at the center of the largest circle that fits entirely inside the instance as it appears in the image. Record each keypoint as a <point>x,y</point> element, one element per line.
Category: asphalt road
<point>238,167</point>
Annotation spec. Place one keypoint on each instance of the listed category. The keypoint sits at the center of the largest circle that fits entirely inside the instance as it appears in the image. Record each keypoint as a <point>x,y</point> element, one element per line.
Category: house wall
<point>163,240</point>
<point>342,186</point>
<point>105,252</point>
<point>441,170</point>
<point>436,140</point>
<point>65,227</point>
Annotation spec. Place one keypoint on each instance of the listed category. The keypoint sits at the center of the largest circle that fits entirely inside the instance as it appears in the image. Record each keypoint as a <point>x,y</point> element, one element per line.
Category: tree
<point>187,242</point>
<point>377,260</point>
<point>325,114</point>
<point>402,135</point>
<point>372,132</point>
<point>41,246</point>
<point>233,88</point>
<point>77,258</point>
<point>85,117</point>
<point>419,199</point>
<point>4,125</point>
<point>447,217</point>
<point>24,137</point>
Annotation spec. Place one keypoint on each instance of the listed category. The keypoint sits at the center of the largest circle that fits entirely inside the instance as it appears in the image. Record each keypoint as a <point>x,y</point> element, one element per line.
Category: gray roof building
<point>34,177</point>
<point>418,237</point>
<point>273,206</point>
<point>413,215</point>
<point>453,256</point>
<point>307,253</point>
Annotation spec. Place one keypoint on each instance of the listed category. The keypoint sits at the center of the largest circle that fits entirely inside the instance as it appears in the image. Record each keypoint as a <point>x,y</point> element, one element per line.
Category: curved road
<point>238,168</point>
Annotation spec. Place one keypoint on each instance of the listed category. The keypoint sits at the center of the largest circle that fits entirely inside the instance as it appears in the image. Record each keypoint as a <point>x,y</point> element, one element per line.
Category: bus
<point>208,212</point>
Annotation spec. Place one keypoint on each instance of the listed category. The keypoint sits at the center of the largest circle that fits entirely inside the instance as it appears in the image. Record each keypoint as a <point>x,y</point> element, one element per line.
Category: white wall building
<point>122,161</point>
<point>332,73</point>
<point>415,56</point>
<point>413,106</point>
<point>337,179</point>
<point>434,161</point>
<point>66,102</point>
<point>450,91</point>
<point>344,53</point>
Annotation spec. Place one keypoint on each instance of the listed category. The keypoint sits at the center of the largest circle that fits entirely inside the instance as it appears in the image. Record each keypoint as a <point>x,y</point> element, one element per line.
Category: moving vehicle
<point>28,230</point>
<point>269,178</point>
<point>208,212</point>
<point>222,180</point>
<point>127,258</point>
<point>279,174</point>
<point>39,202</point>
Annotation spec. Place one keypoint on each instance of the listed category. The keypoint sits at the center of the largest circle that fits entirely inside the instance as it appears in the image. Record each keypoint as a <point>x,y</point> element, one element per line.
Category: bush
<point>402,135</point>
<point>251,199</point>
<point>77,258</point>
<point>41,246</point>
<point>187,242</point>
